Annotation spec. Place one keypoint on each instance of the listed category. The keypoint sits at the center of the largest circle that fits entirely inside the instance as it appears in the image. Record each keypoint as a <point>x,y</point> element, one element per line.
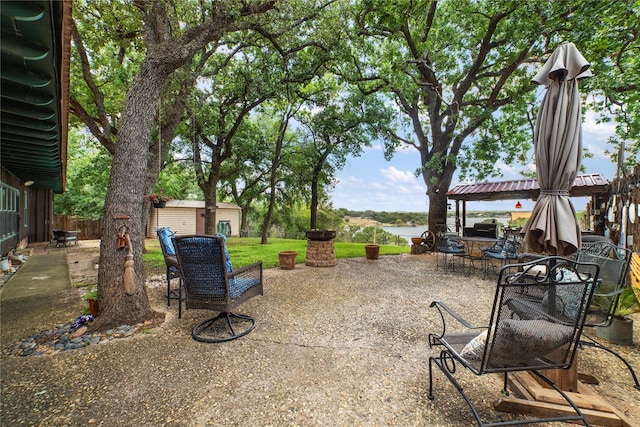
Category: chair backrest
<point>447,245</point>
<point>203,270</point>
<point>614,267</point>
<point>510,248</point>
<point>164,236</point>
<point>540,336</point>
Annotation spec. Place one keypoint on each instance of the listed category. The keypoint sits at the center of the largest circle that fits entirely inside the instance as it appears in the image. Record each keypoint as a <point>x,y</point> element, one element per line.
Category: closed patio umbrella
<point>553,227</point>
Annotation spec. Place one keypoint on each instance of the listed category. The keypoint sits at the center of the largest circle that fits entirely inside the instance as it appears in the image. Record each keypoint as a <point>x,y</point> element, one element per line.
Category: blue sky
<point>370,182</point>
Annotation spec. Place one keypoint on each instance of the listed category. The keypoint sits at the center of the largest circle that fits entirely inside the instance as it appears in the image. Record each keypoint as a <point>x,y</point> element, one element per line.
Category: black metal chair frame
<point>546,340</point>
<point>171,262</point>
<point>449,250</point>
<point>209,286</point>
<point>614,264</point>
<point>507,253</point>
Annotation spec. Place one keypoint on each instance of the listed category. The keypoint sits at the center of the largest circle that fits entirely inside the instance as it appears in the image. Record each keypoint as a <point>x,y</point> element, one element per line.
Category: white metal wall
<point>182,220</point>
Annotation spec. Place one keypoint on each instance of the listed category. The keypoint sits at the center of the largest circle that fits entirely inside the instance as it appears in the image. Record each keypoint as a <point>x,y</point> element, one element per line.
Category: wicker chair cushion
<point>518,341</point>
<point>165,238</point>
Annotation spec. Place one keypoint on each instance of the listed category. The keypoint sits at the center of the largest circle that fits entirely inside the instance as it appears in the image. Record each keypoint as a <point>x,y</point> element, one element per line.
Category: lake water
<point>409,232</point>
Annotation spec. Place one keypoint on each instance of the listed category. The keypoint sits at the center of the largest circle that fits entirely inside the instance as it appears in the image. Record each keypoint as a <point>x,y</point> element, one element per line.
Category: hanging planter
<point>158,199</point>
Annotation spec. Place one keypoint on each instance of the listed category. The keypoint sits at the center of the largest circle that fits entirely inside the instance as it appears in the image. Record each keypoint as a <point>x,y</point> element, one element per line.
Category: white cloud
<point>396,175</point>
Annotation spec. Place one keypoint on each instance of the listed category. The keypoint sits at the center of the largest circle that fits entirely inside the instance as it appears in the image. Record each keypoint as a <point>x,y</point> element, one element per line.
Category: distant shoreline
<point>366,222</point>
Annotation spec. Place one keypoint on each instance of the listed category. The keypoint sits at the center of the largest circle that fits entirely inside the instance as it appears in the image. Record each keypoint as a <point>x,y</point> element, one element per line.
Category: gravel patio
<point>340,346</point>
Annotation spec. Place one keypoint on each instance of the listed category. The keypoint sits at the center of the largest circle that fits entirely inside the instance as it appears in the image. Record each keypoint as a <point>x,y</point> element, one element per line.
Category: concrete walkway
<point>38,295</point>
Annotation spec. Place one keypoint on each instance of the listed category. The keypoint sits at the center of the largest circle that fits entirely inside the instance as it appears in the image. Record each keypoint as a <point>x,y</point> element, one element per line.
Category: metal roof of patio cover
<point>583,186</point>
<point>35,42</point>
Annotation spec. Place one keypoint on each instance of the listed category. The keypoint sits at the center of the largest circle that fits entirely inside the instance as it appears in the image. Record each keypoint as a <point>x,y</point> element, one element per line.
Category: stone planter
<point>619,332</point>
<point>287,259</point>
<point>372,251</point>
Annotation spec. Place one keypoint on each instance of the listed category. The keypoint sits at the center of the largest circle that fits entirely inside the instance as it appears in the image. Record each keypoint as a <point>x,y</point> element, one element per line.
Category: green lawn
<point>247,250</point>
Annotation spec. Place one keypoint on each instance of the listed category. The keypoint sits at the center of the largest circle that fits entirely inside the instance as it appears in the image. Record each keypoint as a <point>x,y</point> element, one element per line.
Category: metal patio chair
<point>448,250</point>
<point>614,264</point>
<point>513,342</point>
<point>209,285</point>
<point>171,262</point>
<point>508,252</point>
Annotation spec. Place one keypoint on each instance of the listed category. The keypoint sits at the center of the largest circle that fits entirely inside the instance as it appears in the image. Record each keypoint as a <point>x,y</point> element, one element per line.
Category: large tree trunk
<point>210,195</point>
<point>244,226</point>
<point>438,183</point>
<point>266,224</point>
<point>125,206</point>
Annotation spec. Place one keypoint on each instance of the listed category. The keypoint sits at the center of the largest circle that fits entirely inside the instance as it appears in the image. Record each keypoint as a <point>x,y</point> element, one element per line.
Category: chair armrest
<point>442,308</point>
<point>460,339</point>
<point>249,271</point>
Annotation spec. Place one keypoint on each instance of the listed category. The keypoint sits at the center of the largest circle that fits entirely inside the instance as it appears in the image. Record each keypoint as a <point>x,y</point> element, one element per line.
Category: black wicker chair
<point>516,342</point>
<point>209,285</point>
<point>171,261</point>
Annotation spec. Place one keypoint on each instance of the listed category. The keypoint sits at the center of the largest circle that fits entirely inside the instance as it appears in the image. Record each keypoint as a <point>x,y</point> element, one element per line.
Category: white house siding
<point>181,216</point>
<point>229,212</point>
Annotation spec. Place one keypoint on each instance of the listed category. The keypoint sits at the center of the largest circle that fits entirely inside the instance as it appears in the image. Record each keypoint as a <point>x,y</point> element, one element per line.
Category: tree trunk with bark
<point>266,224</point>
<point>210,195</point>
<point>125,206</point>
<point>438,182</point>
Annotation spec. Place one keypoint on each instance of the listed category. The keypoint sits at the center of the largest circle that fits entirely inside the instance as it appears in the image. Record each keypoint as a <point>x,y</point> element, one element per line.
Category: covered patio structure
<point>595,186</point>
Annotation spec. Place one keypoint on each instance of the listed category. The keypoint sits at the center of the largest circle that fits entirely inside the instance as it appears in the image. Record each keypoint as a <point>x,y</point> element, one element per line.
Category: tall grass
<point>247,250</point>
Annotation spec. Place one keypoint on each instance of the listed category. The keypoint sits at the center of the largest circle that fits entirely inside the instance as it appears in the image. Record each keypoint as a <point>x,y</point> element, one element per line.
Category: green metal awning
<point>34,84</point>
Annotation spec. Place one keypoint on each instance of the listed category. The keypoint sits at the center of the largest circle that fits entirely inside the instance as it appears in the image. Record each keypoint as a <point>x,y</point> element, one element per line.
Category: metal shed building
<point>187,217</point>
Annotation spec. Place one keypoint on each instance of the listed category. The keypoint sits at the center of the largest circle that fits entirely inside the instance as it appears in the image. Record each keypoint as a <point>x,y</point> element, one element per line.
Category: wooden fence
<point>89,229</point>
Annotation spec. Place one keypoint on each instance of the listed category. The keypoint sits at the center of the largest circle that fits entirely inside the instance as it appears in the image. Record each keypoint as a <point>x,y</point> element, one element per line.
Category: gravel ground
<point>340,346</point>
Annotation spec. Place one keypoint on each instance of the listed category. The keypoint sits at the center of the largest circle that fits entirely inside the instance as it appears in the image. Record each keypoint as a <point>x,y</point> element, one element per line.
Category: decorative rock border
<point>67,336</point>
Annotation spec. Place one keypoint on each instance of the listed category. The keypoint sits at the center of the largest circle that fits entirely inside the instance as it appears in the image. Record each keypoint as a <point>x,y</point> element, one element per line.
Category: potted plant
<point>92,298</point>
<point>159,198</point>
<point>621,329</point>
